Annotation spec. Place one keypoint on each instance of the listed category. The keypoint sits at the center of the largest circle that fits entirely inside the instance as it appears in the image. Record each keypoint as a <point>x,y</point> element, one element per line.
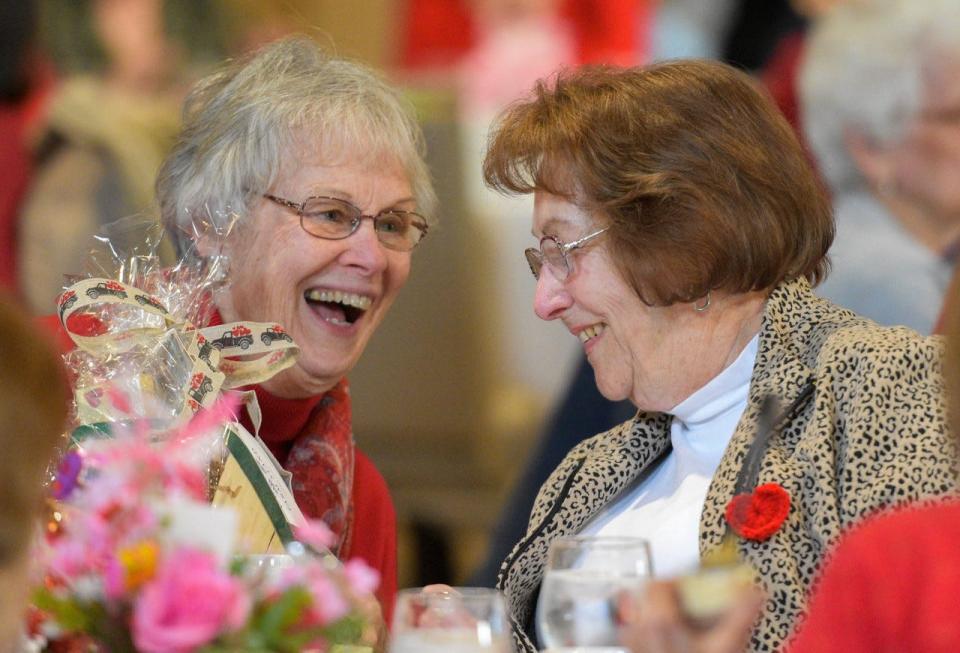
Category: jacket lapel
<point>780,370</point>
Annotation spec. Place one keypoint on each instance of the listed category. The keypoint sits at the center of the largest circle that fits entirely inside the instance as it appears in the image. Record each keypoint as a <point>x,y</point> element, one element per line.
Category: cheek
<point>397,274</point>
<point>262,278</point>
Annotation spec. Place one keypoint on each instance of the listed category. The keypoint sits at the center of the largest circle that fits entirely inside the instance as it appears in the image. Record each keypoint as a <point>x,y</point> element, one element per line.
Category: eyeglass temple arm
<point>283,202</point>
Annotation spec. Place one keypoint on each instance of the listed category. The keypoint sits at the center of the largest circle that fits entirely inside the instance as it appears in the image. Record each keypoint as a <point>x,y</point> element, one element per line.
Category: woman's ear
<point>873,161</point>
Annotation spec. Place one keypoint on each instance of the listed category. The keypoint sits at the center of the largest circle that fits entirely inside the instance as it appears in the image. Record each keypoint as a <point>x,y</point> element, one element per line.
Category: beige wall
<point>361,29</point>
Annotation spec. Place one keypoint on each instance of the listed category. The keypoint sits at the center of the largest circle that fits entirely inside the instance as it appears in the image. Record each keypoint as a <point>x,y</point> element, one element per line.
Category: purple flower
<point>68,475</point>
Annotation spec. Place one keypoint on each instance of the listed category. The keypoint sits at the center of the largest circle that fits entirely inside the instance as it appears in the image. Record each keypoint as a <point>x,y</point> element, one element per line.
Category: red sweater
<point>891,585</point>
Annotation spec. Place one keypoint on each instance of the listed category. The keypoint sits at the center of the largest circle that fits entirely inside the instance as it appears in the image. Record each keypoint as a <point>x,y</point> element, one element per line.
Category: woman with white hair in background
<point>321,164</point>
<point>880,94</point>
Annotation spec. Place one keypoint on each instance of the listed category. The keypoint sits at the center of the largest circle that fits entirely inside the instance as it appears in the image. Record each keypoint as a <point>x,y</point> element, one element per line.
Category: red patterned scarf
<point>312,438</point>
<point>321,461</point>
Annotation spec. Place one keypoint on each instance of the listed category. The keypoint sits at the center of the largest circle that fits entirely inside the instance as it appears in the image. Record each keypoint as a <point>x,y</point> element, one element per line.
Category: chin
<point>611,392</point>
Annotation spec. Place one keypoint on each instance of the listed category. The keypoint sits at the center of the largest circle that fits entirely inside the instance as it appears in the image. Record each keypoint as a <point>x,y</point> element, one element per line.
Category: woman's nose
<point>364,249</point>
<point>551,298</point>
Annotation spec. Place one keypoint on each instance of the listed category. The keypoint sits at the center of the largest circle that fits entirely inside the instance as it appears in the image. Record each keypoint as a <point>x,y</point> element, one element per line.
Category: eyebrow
<point>548,226</point>
<point>341,195</point>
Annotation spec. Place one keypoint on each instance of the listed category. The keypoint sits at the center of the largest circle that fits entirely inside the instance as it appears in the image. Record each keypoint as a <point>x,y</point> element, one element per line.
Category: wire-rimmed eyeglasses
<point>335,219</point>
<point>553,252</point>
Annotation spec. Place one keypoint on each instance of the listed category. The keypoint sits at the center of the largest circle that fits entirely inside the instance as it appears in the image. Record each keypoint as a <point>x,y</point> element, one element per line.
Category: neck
<point>717,336</point>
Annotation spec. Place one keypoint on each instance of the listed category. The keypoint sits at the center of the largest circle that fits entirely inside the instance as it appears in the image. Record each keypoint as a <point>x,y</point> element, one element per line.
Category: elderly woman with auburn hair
<point>680,231</point>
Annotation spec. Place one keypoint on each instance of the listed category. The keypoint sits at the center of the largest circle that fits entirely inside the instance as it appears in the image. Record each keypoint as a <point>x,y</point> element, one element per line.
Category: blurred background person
<point>107,126</point>
<point>33,412</point>
<point>880,88</point>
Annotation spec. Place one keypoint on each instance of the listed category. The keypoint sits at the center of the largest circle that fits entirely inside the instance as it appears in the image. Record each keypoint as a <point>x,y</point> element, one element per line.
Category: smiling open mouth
<point>591,332</point>
<point>340,308</point>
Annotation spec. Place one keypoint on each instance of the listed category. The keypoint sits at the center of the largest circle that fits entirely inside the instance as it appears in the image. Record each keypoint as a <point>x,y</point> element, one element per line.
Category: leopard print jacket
<point>874,434</point>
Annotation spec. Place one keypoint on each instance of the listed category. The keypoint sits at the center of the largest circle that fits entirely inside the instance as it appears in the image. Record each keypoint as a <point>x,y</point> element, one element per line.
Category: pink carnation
<point>188,604</point>
<point>315,533</point>
<point>329,604</point>
<point>362,578</point>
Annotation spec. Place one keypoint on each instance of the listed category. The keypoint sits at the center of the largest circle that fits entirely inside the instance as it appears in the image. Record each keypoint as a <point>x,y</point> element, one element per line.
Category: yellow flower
<point>139,563</point>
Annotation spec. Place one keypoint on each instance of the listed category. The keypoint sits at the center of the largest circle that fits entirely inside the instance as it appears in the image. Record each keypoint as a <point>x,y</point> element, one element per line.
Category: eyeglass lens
<point>334,219</point>
<point>551,253</point>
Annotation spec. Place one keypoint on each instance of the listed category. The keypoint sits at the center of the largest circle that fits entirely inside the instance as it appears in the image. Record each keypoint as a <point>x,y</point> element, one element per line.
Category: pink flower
<point>188,604</point>
<point>327,601</point>
<point>362,578</point>
<point>329,604</point>
<point>315,533</point>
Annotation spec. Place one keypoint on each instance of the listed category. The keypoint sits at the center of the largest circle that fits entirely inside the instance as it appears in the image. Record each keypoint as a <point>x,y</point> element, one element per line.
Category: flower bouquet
<point>137,560</point>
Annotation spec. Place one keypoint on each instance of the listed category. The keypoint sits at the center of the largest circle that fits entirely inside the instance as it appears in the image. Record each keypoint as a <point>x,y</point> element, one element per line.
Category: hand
<point>656,623</point>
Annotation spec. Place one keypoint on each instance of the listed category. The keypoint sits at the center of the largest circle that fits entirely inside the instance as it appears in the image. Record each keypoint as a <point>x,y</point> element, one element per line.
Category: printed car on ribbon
<point>200,386</point>
<point>238,336</point>
<point>273,334</point>
<point>112,288</point>
<point>67,299</point>
<point>149,300</point>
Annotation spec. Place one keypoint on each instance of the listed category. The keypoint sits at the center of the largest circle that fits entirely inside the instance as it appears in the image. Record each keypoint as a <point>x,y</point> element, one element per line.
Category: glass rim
<point>454,592</point>
<point>607,540</point>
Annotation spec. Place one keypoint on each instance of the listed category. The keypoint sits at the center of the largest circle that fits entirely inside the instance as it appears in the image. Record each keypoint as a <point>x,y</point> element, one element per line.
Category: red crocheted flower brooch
<point>759,514</point>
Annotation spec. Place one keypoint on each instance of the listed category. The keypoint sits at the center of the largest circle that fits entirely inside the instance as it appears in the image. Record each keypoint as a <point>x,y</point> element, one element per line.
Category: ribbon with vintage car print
<point>223,357</point>
<point>188,368</point>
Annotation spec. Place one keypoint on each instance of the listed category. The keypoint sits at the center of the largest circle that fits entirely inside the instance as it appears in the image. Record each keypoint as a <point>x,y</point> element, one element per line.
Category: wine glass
<point>457,620</point>
<point>583,582</point>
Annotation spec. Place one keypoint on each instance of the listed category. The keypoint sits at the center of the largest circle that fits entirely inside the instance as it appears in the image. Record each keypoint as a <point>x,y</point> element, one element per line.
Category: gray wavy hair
<point>239,122</point>
<point>863,69</point>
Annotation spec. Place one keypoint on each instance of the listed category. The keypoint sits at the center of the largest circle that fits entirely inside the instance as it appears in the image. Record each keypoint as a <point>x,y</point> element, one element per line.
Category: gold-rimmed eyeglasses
<point>553,252</point>
<point>335,219</point>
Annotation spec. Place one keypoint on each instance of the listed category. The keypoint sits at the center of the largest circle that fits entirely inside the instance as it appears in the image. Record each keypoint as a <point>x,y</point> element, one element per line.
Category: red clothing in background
<point>438,33</point>
<point>15,167</point>
<point>891,585</point>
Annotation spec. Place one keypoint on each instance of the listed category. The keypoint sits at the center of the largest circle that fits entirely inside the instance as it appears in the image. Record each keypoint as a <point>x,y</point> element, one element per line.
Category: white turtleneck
<point>664,506</point>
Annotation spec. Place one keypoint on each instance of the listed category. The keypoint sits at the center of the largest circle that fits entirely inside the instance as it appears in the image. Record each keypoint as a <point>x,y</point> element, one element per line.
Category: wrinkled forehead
<point>332,148</point>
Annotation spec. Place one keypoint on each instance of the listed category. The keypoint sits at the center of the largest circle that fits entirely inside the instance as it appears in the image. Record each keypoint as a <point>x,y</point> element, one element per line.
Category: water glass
<point>458,620</point>
<point>584,581</point>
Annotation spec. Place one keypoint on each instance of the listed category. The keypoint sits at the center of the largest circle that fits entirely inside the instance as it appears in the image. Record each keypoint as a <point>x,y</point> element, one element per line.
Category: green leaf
<point>69,614</point>
<point>347,630</point>
<point>282,614</point>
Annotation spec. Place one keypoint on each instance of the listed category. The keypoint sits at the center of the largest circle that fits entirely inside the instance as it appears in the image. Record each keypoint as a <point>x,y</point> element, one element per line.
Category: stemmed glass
<point>458,620</point>
<point>583,583</point>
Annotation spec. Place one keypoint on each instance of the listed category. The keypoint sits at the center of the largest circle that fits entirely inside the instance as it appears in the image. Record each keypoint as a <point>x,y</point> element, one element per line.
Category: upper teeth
<point>349,299</point>
<point>590,332</point>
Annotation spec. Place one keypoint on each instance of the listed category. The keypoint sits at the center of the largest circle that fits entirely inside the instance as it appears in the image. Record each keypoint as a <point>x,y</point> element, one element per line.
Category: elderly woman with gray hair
<point>320,163</point>
<point>880,94</point>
